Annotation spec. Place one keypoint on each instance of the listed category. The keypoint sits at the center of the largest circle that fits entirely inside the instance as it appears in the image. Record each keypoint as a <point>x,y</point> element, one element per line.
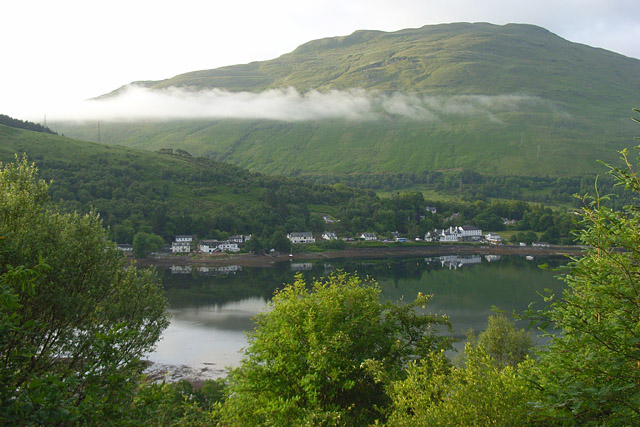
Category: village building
<point>431,209</point>
<point>180,247</point>
<point>227,246</point>
<point>184,238</point>
<point>450,234</point>
<point>493,238</point>
<point>469,232</point>
<point>432,236</point>
<point>369,237</point>
<point>329,235</point>
<point>211,246</point>
<point>208,246</point>
<point>124,247</point>
<point>303,237</point>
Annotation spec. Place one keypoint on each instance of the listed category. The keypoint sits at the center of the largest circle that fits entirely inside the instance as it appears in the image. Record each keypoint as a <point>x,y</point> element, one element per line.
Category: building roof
<point>306,234</point>
<point>209,242</point>
<point>469,228</point>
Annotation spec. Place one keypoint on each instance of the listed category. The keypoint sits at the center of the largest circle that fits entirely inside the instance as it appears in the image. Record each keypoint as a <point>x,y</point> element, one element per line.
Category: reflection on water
<point>207,335</point>
<point>212,309</point>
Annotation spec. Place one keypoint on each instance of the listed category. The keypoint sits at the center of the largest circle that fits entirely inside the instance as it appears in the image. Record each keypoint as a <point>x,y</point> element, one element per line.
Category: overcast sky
<point>62,51</point>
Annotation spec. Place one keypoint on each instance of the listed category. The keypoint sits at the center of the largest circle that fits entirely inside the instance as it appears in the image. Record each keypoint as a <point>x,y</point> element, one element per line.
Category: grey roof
<point>469,227</point>
<point>306,234</point>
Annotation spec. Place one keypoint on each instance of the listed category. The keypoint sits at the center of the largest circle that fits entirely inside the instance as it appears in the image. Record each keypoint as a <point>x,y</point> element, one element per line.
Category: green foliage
<point>21,124</point>
<point>144,243</point>
<point>504,343</point>
<point>310,358</point>
<point>280,242</point>
<point>590,372</point>
<point>139,192</point>
<point>177,404</point>
<point>480,393</point>
<point>75,319</point>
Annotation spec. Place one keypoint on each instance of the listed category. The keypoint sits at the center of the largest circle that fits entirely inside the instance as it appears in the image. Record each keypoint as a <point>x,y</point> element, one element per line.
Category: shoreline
<point>268,260</point>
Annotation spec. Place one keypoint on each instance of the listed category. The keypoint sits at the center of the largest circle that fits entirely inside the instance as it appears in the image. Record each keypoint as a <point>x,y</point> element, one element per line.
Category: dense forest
<point>131,201</point>
<point>470,185</point>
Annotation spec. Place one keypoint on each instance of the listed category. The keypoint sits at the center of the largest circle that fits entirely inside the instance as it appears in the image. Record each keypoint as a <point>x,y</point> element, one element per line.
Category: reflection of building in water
<point>301,266</point>
<point>328,269</point>
<point>229,268</point>
<point>180,269</point>
<point>492,258</point>
<point>455,261</point>
<point>212,271</point>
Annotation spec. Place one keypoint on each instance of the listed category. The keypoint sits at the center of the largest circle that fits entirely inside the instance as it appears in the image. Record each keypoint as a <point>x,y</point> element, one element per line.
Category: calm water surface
<point>212,308</point>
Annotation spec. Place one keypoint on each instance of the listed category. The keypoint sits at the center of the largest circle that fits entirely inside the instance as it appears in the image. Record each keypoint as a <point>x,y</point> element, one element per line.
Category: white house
<point>431,209</point>
<point>228,246</point>
<point>432,236</point>
<point>450,235</point>
<point>469,232</point>
<point>303,237</point>
<point>237,238</point>
<point>328,235</point>
<point>180,247</point>
<point>369,237</point>
<point>208,246</point>
<point>124,247</point>
<point>493,238</point>
<point>184,238</point>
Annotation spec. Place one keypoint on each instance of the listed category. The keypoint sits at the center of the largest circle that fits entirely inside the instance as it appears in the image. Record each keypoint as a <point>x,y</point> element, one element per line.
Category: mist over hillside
<point>512,99</point>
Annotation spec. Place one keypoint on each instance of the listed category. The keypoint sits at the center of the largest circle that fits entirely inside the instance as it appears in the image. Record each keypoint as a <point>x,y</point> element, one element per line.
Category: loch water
<point>212,308</point>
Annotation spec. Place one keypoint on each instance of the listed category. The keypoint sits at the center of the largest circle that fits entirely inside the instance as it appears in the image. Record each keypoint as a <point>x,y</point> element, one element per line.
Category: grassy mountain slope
<point>585,94</point>
<point>167,194</point>
<point>437,59</point>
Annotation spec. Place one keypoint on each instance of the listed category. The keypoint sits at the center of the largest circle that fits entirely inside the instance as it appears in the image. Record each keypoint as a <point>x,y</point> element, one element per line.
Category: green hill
<point>168,194</point>
<point>173,193</point>
<point>575,106</point>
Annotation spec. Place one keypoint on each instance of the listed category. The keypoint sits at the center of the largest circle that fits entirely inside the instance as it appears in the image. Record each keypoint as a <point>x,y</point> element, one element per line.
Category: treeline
<point>21,124</point>
<point>407,214</point>
<point>471,185</point>
<point>215,200</point>
<point>201,197</point>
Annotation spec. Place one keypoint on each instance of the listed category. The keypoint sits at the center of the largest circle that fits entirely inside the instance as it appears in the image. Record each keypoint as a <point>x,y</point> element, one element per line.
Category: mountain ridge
<point>589,91</point>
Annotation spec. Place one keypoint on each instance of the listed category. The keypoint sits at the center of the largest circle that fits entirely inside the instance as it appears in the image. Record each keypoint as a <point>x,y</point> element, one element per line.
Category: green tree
<point>322,356</point>
<point>254,245</point>
<point>144,243</point>
<point>280,242</point>
<point>506,344</point>
<point>75,319</point>
<point>590,373</point>
<point>479,393</point>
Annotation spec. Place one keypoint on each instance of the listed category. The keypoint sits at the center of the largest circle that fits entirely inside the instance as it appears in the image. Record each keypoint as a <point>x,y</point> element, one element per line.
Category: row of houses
<point>454,234</point>
<point>185,244</point>
<point>307,237</point>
